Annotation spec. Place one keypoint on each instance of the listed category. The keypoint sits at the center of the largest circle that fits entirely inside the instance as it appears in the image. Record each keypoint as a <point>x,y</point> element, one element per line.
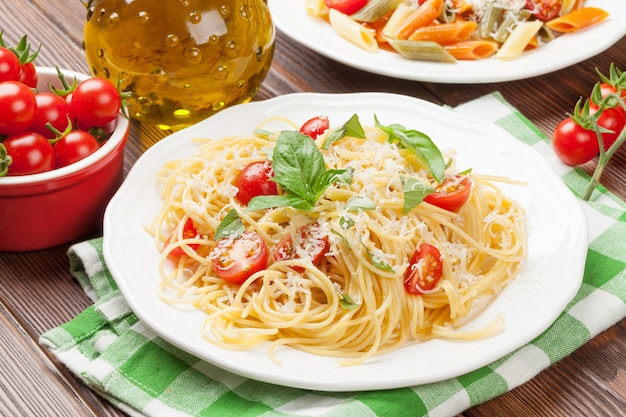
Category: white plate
<point>290,17</point>
<point>557,245</point>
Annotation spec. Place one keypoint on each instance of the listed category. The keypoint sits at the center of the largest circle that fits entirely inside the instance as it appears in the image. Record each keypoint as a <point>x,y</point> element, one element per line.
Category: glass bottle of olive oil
<point>182,60</point>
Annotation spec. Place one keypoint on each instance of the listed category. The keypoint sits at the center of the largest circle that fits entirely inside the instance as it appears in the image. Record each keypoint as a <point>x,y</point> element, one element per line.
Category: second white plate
<point>291,18</point>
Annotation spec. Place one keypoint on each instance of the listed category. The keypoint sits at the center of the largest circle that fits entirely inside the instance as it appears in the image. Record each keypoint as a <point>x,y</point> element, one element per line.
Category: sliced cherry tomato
<point>95,102</point>
<point>310,242</point>
<point>544,9</point>
<point>346,6</point>
<point>10,66</point>
<point>573,144</point>
<point>74,146</point>
<point>424,271</point>
<point>28,75</point>
<point>52,109</point>
<point>315,126</point>
<point>613,119</point>
<point>31,153</point>
<point>183,230</point>
<point>452,193</point>
<point>17,107</point>
<point>235,259</point>
<point>255,180</point>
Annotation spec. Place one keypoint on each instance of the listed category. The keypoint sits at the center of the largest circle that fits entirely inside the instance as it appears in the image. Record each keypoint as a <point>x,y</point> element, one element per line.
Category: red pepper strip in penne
<point>472,50</point>
<point>422,16</point>
<point>445,33</point>
<point>577,19</point>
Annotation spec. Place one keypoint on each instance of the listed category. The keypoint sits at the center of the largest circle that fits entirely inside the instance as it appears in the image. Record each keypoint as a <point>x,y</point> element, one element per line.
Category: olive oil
<point>182,60</point>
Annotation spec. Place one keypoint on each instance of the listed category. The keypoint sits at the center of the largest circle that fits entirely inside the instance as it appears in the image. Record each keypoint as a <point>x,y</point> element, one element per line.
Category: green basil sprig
<point>300,170</point>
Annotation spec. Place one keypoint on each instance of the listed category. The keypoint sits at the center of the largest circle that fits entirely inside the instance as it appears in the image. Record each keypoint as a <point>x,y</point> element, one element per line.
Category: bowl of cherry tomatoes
<point>61,163</point>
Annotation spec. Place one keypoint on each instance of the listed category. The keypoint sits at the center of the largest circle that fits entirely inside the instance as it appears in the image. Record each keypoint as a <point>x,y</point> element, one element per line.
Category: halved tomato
<point>236,259</point>
<point>310,243</point>
<point>452,193</point>
<point>183,230</point>
<point>424,271</point>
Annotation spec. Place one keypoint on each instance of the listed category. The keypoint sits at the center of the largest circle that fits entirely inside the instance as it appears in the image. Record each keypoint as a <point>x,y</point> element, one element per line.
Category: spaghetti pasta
<point>353,304</point>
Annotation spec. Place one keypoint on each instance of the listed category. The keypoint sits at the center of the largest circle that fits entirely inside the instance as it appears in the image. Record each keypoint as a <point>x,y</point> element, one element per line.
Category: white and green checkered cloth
<point>116,355</point>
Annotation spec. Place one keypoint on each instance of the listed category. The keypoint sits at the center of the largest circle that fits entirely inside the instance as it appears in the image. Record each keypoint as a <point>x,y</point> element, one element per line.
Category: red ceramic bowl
<point>44,210</point>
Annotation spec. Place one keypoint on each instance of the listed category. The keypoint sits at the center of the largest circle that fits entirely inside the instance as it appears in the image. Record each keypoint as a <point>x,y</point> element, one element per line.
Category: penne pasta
<point>519,39</point>
<point>421,50</point>
<point>577,19</point>
<point>445,33</point>
<point>472,50</point>
<point>315,7</point>
<point>353,31</point>
<point>421,16</point>
<point>462,29</point>
<point>375,9</point>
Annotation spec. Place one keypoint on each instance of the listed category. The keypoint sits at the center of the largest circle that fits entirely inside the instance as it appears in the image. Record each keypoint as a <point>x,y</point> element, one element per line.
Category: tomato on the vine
<point>95,102</point>
<point>315,126</point>
<point>17,107</point>
<point>236,259</point>
<point>424,271</point>
<point>613,119</point>
<point>574,144</point>
<point>52,109</point>
<point>310,242</point>
<point>74,146</point>
<point>10,66</point>
<point>30,152</point>
<point>544,9</point>
<point>452,193</point>
<point>255,179</point>
<point>346,6</point>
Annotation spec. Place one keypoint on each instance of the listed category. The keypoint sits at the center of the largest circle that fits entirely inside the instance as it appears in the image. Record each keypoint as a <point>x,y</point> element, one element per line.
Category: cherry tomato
<point>95,102</point>
<point>10,66</point>
<point>310,243</point>
<point>346,6</point>
<point>544,9</point>
<point>452,193</point>
<point>573,144</point>
<point>31,153</point>
<point>17,107</point>
<point>186,230</point>
<point>315,126</point>
<point>235,260</point>
<point>255,180</point>
<point>52,109</point>
<point>613,119</point>
<point>73,147</point>
<point>424,270</point>
<point>28,75</point>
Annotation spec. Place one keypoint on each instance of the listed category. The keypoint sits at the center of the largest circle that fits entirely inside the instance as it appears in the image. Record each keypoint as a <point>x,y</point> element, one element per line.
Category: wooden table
<point>37,291</point>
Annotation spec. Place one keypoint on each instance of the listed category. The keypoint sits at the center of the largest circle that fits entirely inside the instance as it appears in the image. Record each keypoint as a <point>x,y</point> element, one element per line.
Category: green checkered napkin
<point>120,358</point>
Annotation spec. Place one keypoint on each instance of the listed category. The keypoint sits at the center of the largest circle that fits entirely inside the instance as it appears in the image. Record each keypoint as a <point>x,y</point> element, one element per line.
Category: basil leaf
<point>297,163</point>
<point>347,302</point>
<point>230,226</point>
<point>419,144</point>
<point>272,201</point>
<point>360,203</point>
<point>343,238</point>
<point>350,128</point>
<point>376,261</point>
<point>329,177</point>
<point>346,222</point>
<point>414,193</point>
